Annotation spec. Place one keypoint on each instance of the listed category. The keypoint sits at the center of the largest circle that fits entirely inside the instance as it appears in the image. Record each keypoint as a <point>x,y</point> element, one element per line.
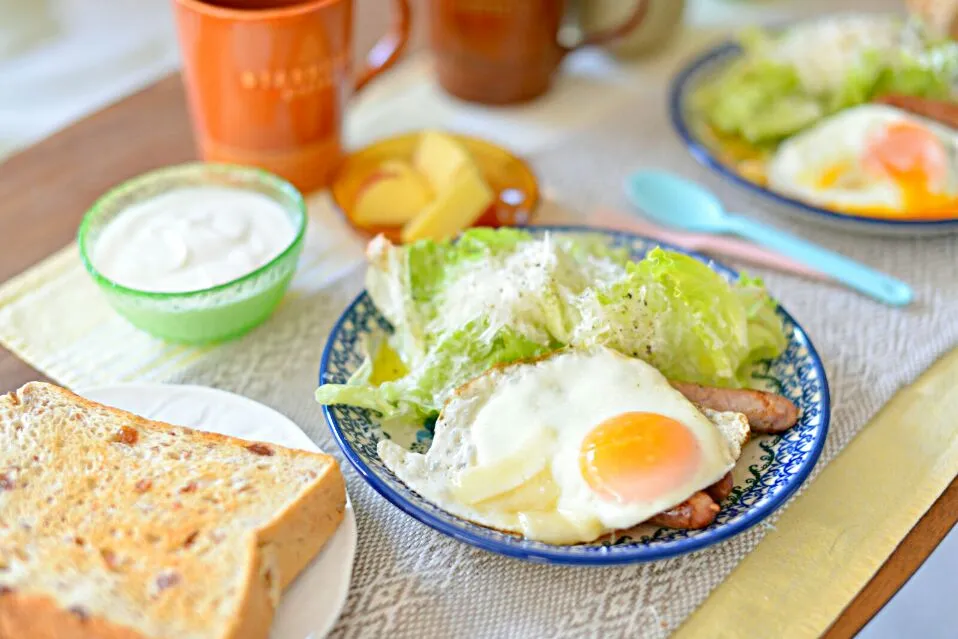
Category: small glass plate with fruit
<point>434,184</point>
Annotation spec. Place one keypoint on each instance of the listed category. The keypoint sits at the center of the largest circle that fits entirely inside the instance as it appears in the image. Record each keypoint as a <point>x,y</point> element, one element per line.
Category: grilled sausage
<point>766,412</point>
<point>944,111</point>
<point>722,488</point>
<point>698,511</point>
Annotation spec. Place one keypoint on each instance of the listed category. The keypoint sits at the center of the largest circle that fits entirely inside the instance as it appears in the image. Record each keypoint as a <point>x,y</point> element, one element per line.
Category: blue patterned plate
<point>706,66</point>
<point>770,470</point>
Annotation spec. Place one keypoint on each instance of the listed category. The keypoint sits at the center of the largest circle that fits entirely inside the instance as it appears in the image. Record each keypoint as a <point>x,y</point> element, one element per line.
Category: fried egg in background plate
<point>871,160</point>
<point>569,448</point>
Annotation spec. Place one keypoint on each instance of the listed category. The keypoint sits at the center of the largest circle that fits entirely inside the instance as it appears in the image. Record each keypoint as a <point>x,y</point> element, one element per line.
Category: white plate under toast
<point>312,604</point>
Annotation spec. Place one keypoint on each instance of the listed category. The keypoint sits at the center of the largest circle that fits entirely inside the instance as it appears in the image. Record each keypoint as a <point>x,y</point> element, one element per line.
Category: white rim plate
<point>312,604</point>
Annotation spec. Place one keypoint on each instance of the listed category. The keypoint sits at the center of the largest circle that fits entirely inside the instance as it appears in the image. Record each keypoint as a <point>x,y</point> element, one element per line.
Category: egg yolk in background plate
<point>917,161</point>
<point>635,456</point>
<point>901,157</point>
<point>898,156</point>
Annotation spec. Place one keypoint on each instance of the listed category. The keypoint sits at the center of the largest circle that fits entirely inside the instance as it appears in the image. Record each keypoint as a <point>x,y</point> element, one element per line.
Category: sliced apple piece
<point>439,158</point>
<point>455,208</point>
<point>392,195</point>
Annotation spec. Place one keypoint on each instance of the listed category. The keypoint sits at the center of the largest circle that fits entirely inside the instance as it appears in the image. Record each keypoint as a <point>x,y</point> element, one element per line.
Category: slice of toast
<point>116,527</point>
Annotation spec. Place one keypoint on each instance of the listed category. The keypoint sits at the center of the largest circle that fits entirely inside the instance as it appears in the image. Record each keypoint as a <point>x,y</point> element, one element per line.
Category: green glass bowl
<point>212,314</point>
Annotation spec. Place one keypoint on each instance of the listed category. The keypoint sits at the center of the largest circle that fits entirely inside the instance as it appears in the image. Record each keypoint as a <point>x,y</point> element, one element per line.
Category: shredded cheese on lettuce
<point>497,296</point>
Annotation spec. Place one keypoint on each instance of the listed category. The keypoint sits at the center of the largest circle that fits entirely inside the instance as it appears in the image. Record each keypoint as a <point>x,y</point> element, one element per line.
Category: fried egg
<point>569,447</point>
<point>871,160</point>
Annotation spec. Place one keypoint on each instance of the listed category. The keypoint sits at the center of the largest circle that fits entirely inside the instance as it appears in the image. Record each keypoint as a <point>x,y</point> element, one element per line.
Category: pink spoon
<point>713,245</point>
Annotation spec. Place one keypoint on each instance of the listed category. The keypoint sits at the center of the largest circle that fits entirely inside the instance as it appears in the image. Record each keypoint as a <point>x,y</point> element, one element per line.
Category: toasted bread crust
<point>24,392</point>
<point>301,530</point>
<point>39,617</point>
<point>261,597</point>
<point>276,552</point>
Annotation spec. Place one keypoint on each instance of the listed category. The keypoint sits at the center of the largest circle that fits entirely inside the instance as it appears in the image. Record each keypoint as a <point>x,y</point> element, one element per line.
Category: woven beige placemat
<point>412,582</point>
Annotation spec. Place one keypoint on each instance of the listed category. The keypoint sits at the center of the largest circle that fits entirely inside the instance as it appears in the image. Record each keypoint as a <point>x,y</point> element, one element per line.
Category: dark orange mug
<point>506,51</point>
<point>268,81</point>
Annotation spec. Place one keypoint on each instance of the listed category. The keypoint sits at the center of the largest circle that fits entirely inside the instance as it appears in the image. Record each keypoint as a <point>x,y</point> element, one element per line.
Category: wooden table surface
<point>45,190</point>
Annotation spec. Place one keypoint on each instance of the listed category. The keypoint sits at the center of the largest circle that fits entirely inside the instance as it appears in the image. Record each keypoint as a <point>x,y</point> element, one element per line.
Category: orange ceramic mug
<point>506,51</point>
<point>268,80</point>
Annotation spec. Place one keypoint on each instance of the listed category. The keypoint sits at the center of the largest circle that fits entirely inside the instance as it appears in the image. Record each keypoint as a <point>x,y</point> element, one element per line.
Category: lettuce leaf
<point>455,359</point>
<point>683,318</point>
<point>930,74</point>
<point>493,297</point>
<point>406,283</point>
<point>761,98</point>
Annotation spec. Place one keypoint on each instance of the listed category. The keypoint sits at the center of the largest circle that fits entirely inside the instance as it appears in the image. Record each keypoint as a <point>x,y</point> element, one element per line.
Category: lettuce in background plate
<point>786,81</point>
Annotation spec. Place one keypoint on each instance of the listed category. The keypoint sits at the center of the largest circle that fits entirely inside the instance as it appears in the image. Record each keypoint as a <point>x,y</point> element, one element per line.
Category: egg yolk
<point>638,456</point>
<point>906,149</point>
<point>917,161</point>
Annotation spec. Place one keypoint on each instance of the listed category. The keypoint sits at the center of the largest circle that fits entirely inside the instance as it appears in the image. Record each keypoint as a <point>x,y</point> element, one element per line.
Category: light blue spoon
<point>674,201</point>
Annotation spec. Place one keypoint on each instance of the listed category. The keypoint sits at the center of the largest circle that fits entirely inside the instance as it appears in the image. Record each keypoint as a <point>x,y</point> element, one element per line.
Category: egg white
<point>525,423</point>
<point>798,165</point>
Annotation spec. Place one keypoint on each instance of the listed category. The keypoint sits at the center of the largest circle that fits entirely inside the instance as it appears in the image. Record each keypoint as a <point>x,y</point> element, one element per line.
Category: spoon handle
<point>858,276</point>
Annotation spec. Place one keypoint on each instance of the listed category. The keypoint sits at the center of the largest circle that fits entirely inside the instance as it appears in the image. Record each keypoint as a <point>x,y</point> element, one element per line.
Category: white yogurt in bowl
<point>192,238</point>
<point>195,253</point>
